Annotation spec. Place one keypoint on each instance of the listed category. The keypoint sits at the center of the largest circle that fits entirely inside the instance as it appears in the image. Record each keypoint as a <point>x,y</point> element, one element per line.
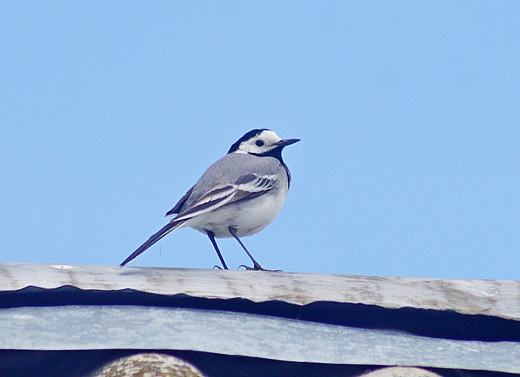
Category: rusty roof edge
<point>500,298</point>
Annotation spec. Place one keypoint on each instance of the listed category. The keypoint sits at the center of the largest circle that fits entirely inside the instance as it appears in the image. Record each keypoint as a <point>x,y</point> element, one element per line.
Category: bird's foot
<point>217,267</point>
<point>256,267</point>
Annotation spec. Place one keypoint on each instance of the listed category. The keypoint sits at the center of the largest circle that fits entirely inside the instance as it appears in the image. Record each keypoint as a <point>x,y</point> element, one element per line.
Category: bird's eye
<point>259,143</point>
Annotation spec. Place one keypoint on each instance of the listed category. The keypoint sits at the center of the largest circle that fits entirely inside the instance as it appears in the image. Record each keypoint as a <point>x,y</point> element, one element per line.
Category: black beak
<point>286,142</point>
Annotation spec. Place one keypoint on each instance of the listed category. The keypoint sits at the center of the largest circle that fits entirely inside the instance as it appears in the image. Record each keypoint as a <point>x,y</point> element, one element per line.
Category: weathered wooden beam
<point>487,297</point>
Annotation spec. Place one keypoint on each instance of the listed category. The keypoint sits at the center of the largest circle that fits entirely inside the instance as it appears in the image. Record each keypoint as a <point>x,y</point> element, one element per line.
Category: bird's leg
<point>211,236</point>
<point>256,265</point>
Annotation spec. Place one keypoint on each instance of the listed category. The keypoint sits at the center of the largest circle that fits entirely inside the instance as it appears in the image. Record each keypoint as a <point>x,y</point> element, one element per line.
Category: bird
<point>237,196</point>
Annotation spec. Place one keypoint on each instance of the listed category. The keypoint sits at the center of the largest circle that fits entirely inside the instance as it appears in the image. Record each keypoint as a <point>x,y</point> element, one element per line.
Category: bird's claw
<point>256,267</point>
<point>247,268</point>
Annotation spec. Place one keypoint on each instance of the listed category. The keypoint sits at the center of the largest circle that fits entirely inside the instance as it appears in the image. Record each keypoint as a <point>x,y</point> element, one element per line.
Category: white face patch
<point>261,143</point>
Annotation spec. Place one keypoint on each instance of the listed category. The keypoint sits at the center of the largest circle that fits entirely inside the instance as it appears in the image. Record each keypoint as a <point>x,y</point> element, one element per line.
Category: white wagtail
<point>238,196</point>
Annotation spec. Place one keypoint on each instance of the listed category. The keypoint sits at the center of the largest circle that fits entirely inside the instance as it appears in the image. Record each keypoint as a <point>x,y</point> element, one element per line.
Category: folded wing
<point>245,187</point>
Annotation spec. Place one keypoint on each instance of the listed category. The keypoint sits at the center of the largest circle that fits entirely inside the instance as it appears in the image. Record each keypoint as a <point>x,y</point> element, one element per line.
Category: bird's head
<point>261,142</point>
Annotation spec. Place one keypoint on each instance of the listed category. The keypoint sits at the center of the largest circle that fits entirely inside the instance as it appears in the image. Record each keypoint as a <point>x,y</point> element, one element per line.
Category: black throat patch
<point>276,153</point>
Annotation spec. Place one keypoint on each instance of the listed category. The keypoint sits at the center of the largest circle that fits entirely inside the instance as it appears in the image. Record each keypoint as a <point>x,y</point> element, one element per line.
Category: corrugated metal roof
<point>310,318</point>
<point>230,333</point>
<point>487,297</point>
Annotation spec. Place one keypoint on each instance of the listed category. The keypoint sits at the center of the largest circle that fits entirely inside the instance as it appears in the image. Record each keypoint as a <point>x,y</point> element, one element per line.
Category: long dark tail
<point>170,227</point>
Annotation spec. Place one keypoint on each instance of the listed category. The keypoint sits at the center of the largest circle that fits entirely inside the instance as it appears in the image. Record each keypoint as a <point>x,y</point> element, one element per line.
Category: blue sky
<point>409,115</point>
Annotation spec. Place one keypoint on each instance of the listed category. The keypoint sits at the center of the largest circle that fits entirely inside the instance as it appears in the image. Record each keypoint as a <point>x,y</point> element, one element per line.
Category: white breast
<point>250,216</point>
